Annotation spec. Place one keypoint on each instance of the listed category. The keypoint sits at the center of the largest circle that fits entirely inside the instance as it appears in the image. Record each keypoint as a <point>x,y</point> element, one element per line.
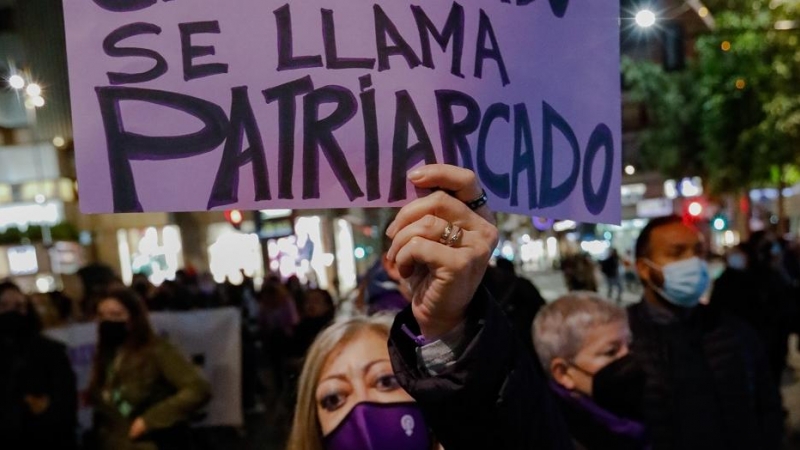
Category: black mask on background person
<point>12,325</point>
<point>113,334</point>
<point>619,388</point>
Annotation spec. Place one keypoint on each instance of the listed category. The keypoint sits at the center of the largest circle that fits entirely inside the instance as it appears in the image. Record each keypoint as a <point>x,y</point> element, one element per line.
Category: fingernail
<point>415,174</point>
<point>390,230</point>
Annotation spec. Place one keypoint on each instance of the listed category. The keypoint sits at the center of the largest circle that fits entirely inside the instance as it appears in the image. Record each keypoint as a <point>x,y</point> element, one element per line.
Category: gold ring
<point>455,237</point>
<point>446,234</point>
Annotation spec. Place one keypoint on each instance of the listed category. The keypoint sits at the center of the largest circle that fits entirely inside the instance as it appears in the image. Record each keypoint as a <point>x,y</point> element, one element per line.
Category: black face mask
<point>12,324</point>
<point>619,388</point>
<point>113,334</point>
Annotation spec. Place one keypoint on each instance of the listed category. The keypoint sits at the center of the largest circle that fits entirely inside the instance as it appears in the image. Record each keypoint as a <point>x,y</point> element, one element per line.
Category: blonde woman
<point>348,397</point>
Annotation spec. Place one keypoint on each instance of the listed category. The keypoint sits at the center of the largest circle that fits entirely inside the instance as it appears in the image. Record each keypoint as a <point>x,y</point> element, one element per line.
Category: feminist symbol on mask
<point>407,422</point>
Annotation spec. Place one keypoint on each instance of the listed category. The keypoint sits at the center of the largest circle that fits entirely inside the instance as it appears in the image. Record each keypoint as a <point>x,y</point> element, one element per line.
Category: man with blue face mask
<point>707,379</point>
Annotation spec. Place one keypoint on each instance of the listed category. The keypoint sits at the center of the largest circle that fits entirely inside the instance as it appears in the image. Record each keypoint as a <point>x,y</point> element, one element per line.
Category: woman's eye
<point>387,383</point>
<point>332,402</point>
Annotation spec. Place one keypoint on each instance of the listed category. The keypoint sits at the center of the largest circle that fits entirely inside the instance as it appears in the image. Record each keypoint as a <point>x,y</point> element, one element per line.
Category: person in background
<point>38,395</point>
<point>518,297</point>
<point>579,272</point>
<point>582,341</point>
<point>318,312</point>
<point>708,382</point>
<point>96,280</point>
<point>736,292</point>
<point>144,391</point>
<point>296,290</point>
<point>384,292</point>
<point>349,398</point>
<point>610,268</point>
<point>277,319</point>
<point>143,287</point>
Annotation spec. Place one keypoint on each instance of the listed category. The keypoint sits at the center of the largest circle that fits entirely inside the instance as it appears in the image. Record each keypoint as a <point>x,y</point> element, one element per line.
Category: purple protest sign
<point>186,105</point>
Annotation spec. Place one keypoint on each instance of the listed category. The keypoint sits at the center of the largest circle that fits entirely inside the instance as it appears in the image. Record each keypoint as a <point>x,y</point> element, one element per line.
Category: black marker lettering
<point>499,184</point>
<point>242,122</point>
<point>383,28</point>
<point>124,5</point>
<point>318,134</point>
<point>372,151</point>
<point>286,94</point>
<point>403,156</point>
<point>453,29</point>
<point>482,53</point>
<point>286,58</point>
<point>454,135</point>
<point>523,162</point>
<point>553,195</point>
<point>125,146</point>
<point>190,52</point>
<point>111,49</point>
<point>601,138</point>
<point>332,58</point>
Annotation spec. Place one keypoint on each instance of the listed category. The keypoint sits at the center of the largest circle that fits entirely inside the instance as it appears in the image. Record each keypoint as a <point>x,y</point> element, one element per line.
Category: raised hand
<point>442,247</point>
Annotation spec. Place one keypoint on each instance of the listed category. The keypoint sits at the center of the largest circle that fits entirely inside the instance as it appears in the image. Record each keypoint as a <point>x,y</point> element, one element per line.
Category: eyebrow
<point>365,369</point>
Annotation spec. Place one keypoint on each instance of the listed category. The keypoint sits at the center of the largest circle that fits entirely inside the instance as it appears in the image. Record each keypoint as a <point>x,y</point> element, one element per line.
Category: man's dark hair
<point>505,265</point>
<point>643,242</point>
<point>9,286</point>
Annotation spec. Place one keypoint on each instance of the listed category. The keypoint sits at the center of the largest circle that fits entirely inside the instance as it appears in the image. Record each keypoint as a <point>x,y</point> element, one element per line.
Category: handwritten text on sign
<point>200,104</point>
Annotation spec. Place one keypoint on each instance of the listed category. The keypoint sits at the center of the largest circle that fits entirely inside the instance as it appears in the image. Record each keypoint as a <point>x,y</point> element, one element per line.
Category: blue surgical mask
<point>684,282</point>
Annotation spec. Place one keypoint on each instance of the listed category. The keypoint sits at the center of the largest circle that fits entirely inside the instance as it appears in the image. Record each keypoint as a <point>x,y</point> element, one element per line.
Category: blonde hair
<point>306,433</point>
<point>560,328</point>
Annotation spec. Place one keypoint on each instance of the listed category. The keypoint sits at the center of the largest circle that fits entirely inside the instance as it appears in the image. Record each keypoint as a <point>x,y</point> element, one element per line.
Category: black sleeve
<point>769,409</point>
<point>494,397</point>
<point>59,385</point>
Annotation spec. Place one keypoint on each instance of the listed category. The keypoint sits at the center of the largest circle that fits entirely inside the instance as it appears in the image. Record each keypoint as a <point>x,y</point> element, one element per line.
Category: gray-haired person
<point>582,342</point>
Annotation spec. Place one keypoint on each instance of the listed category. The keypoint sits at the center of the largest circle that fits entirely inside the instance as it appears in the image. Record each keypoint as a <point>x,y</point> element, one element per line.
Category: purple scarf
<point>613,423</point>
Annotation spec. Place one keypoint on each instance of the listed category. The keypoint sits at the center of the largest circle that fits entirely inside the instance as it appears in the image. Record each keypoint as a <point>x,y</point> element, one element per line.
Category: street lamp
<point>645,18</point>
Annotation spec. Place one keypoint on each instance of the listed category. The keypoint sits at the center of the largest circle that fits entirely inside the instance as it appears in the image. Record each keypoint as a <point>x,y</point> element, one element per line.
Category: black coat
<point>494,397</point>
<point>520,301</point>
<point>38,366</point>
<point>707,382</point>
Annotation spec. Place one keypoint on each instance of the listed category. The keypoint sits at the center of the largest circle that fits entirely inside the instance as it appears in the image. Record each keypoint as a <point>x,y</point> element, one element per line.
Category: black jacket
<point>494,397</point>
<point>520,301</point>
<point>708,382</point>
<point>37,366</point>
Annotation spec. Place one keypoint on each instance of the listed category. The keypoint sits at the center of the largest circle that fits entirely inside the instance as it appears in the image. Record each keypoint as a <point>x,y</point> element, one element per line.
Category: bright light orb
<point>34,90</point>
<point>695,209</point>
<point>16,82</point>
<point>645,18</point>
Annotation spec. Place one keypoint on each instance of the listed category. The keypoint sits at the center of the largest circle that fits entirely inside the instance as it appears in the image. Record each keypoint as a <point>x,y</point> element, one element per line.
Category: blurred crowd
<point>620,378</point>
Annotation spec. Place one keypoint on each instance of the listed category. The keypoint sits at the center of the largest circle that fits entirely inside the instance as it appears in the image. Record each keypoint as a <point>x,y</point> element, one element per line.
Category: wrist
<point>432,330</point>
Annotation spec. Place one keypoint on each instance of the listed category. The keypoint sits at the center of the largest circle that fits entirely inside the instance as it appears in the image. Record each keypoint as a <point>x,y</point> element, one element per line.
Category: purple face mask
<point>380,426</point>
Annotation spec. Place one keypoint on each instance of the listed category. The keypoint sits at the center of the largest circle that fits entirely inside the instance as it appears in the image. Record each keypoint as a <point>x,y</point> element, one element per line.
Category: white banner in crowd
<point>210,338</point>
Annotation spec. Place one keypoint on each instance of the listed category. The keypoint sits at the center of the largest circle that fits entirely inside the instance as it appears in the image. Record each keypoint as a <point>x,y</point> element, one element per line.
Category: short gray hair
<point>560,327</point>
